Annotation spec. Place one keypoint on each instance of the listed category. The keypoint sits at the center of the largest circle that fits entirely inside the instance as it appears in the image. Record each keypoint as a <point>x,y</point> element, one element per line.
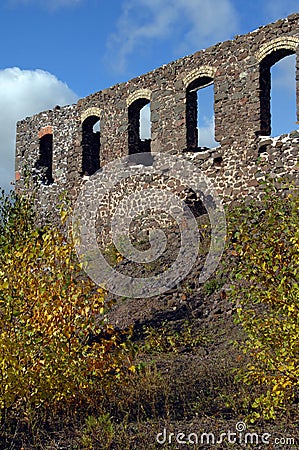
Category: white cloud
<point>206,133</point>
<point>24,93</point>
<point>145,122</point>
<point>189,25</point>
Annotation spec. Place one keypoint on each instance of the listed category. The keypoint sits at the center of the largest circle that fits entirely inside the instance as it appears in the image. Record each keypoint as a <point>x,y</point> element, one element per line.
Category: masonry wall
<point>239,70</point>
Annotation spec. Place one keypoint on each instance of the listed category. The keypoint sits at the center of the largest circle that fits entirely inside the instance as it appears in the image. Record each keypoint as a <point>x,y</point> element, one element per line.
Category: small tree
<point>48,312</point>
<point>267,296</point>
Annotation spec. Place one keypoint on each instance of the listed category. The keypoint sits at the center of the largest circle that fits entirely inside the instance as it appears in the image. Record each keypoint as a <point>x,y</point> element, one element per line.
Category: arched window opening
<point>200,120</point>
<point>91,144</point>
<point>278,93</point>
<point>139,131</point>
<point>283,96</point>
<point>44,164</point>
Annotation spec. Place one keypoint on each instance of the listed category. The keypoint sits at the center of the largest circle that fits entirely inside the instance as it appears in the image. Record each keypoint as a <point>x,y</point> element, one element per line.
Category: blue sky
<point>56,51</point>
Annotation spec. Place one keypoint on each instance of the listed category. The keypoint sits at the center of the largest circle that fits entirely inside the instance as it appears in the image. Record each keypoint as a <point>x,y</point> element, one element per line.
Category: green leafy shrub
<point>168,340</point>
<point>266,293</point>
<point>49,313</point>
<point>98,432</point>
<point>212,286</point>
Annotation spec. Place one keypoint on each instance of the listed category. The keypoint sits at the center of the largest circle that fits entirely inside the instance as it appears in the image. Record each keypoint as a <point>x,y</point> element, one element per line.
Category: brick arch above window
<point>140,94</point>
<point>281,43</point>
<point>199,72</point>
<point>45,130</point>
<point>91,112</point>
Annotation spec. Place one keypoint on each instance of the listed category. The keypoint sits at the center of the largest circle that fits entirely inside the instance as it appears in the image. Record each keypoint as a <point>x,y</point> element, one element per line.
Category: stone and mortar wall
<point>275,163</point>
<point>234,167</point>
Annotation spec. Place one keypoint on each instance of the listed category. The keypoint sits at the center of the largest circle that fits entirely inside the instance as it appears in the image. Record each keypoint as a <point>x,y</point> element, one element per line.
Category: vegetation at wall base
<point>70,380</point>
<point>266,293</point>
<point>55,347</point>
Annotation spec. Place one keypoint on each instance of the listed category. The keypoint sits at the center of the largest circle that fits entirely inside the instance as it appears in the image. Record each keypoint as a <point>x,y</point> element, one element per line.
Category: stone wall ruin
<point>58,150</point>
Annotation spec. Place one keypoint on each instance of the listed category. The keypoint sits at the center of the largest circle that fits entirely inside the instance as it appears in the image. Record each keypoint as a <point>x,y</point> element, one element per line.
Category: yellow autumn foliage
<point>266,293</point>
<point>49,310</point>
